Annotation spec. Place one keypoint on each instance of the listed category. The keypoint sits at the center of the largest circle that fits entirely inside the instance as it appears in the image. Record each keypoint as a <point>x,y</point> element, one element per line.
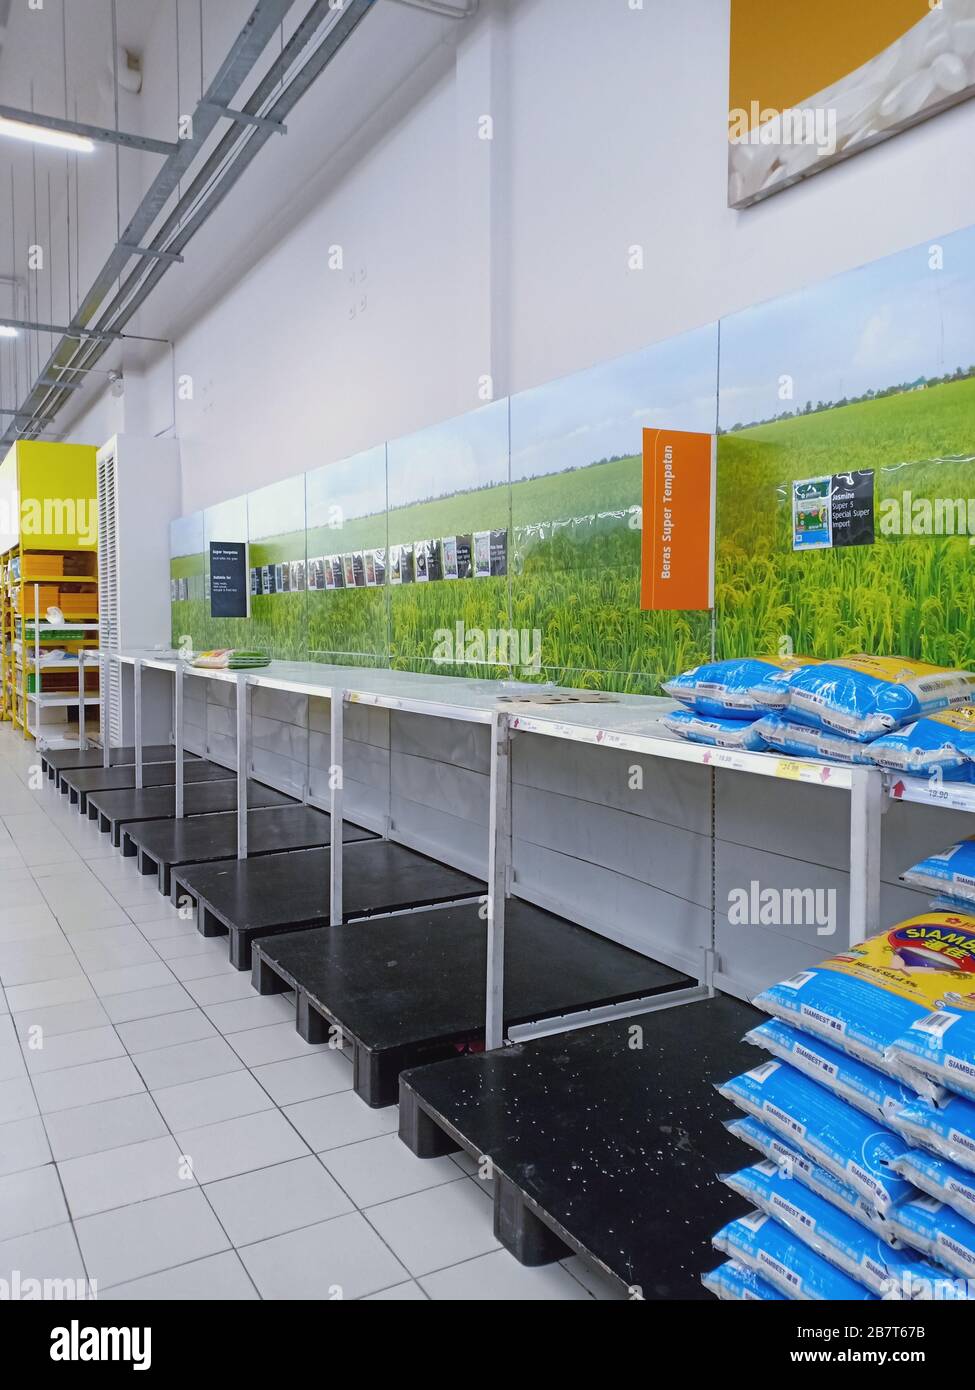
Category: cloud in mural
<point>886,324</point>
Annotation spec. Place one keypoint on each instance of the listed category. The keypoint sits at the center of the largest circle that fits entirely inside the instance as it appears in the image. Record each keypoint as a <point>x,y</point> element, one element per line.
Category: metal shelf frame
<point>630,722</point>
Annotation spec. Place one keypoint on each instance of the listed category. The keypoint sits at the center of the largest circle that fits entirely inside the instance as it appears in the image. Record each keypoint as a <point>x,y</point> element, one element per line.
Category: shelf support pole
<point>499,858</point>
<point>82,728</point>
<point>336,779</point>
<point>105,678</point>
<point>243,763</point>
<point>178,735</point>
<point>866,833</point>
<point>137,674</point>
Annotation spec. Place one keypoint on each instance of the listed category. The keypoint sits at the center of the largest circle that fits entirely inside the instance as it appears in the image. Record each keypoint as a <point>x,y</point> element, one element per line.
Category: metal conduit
<point>43,401</point>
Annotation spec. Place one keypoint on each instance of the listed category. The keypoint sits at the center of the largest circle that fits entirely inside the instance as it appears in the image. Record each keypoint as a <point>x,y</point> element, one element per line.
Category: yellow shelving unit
<point>48,505</point>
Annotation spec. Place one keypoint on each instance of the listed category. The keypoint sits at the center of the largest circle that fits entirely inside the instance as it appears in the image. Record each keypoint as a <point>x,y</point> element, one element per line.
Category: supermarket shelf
<point>91,697</point>
<point>956,796</point>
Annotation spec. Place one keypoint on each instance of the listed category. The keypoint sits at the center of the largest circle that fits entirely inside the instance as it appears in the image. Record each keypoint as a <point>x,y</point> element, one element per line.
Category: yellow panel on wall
<point>783,54</point>
<point>58,496</point>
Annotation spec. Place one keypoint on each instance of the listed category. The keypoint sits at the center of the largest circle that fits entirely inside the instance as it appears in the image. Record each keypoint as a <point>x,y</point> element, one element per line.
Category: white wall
<point>511,257</point>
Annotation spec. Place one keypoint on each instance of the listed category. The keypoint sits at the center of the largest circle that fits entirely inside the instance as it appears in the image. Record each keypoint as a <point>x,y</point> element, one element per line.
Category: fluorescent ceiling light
<point>6,331</point>
<point>41,135</point>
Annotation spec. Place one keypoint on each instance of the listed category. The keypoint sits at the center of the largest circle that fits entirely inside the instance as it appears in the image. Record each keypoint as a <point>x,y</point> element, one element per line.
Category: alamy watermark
<point>796,125</point>
<point>756,906</point>
<point>908,515</point>
<point>19,1288</point>
<point>50,516</point>
<point>494,646</point>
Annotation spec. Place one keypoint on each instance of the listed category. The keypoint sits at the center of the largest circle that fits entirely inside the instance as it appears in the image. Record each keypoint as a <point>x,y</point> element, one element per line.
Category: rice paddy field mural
<point>882,366</point>
<point>873,370</point>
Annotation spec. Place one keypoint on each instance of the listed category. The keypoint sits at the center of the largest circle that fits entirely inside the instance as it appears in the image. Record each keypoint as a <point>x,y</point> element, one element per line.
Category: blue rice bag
<point>796,1165</point>
<point>936,1230</point>
<point>788,1264</point>
<point>827,1130</point>
<point>839,1239</point>
<point>734,1281</point>
<point>723,688</point>
<point>771,693</point>
<point>947,1130</point>
<point>717,733</point>
<point>951,872</point>
<point>941,1045</point>
<point>800,741</point>
<point>867,696</point>
<point>940,1179</point>
<point>942,745</point>
<point>877,1095</point>
<point>868,997</point>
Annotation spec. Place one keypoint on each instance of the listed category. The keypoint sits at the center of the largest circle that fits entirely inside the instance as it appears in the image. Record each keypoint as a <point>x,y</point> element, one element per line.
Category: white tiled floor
<point>166,1133</point>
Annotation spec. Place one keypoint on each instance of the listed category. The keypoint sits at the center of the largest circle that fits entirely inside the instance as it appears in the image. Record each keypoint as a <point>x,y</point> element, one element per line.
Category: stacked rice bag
<point>902,715</point>
<point>864,1125</point>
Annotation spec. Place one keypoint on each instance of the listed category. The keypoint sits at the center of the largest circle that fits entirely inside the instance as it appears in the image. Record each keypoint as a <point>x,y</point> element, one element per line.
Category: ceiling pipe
<point>443,8</point>
<point>262,25</point>
<point>235,152</point>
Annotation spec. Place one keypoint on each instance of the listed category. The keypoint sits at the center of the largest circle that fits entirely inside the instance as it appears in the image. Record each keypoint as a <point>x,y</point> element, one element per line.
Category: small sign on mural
<point>678,520</point>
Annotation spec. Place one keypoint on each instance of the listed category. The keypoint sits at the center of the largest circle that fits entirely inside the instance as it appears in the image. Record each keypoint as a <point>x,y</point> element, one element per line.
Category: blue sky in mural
<point>226,521</point>
<point>186,535</point>
<point>468,452</point>
<point>356,484</point>
<point>600,413</point>
<point>277,510</point>
<point>885,324</point>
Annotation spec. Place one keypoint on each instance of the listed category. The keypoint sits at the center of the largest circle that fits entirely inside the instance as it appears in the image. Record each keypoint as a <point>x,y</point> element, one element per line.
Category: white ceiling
<point>390,59</point>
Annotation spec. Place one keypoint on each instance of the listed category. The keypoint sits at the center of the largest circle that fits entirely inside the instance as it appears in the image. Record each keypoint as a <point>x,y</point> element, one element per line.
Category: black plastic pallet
<point>407,990</point>
<point>55,760</point>
<point>78,783</point>
<point>604,1142</point>
<point>251,898</point>
<point>113,810</point>
<point>162,845</point>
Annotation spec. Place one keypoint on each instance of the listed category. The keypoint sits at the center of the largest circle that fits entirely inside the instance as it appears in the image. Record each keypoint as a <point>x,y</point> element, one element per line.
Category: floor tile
<point>271,1201</point>
<point>50,1254</point>
<point>215,1098</point>
<point>277,1043</point>
<point>23,997</point>
<point>129,978</point>
<point>378,1170</point>
<point>72,1049</point>
<point>62,1018</point>
<point>259,1011</point>
<point>166,1030</point>
<point>117,1177</point>
<point>240,1145</point>
<point>199,967</point>
<point>218,1277</point>
<point>216,989</point>
<point>301,1078</point>
<point>41,969</point>
<point>147,1003</point>
<point>410,1292</point>
<point>148,1237</point>
<point>442,1226</point>
<point>168,929</point>
<point>328,1122</point>
<point>23,1144</point>
<point>342,1258</point>
<point>16,1100</point>
<point>169,1066</point>
<point>500,1277</point>
<point>30,1200</point>
<point>110,1124</point>
<point>74,1086</point>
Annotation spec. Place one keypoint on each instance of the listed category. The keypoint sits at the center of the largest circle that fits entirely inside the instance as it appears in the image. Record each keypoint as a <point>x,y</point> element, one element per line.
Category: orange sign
<point>678,520</point>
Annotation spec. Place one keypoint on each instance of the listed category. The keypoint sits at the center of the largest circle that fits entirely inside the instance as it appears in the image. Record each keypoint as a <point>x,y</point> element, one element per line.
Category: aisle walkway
<point>165,1132</point>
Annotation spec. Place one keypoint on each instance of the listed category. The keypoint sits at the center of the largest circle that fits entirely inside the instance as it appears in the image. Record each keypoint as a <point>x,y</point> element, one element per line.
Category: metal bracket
<point>245,118</point>
<point>150,252</point>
